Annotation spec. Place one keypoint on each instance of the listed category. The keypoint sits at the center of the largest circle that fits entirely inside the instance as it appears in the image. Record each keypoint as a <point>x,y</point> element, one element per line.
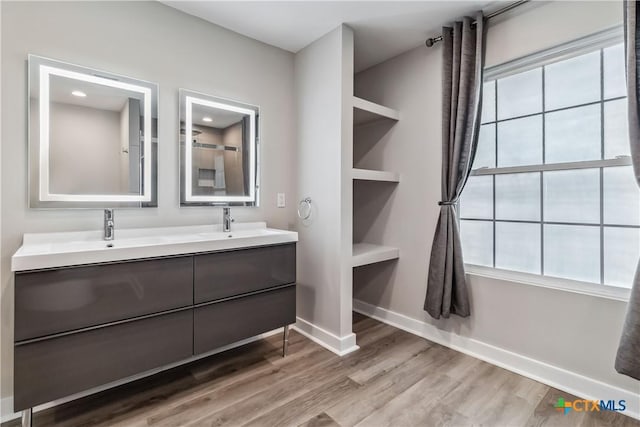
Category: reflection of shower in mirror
<point>219,164</point>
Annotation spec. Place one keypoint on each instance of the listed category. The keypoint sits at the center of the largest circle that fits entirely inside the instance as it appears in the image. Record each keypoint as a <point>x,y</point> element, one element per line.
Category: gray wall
<point>86,150</point>
<point>324,89</point>
<point>156,43</point>
<point>517,317</point>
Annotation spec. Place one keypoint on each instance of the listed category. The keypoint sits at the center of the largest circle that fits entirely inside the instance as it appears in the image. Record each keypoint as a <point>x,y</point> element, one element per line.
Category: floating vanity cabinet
<point>82,327</point>
<point>61,366</point>
<point>224,322</point>
<point>243,293</point>
<point>225,274</point>
<point>66,299</point>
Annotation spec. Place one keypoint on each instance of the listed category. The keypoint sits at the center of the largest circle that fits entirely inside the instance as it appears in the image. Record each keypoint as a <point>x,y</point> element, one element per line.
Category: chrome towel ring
<point>304,208</point>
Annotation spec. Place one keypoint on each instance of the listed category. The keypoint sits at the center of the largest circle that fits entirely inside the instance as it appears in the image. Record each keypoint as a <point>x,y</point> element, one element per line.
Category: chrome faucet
<point>227,219</point>
<point>109,225</point>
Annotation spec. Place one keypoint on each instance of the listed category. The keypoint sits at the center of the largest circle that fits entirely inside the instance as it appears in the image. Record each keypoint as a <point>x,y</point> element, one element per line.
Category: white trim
<point>6,410</point>
<point>189,197</point>
<point>585,288</point>
<point>374,175</point>
<point>373,108</point>
<point>6,404</point>
<point>338,345</point>
<point>585,164</point>
<point>554,376</point>
<point>599,40</point>
<point>367,253</point>
<point>44,76</point>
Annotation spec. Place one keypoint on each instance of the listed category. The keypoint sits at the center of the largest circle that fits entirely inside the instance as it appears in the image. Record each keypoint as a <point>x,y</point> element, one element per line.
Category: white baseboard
<point>6,409</point>
<point>554,376</point>
<point>334,343</point>
<point>6,404</point>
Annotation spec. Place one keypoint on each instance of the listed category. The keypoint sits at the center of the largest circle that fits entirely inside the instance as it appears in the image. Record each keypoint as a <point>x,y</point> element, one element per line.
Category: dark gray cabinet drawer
<point>222,323</point>
<point>58,367</point>
<point>53,301</point>
<point>226,274</point>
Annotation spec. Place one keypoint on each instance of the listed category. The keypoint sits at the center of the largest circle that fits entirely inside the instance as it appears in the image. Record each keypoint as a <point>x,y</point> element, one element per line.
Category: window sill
<point>574,286</point>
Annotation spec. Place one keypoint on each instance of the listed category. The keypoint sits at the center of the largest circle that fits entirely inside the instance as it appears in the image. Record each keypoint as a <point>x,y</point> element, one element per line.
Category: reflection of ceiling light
<point>207,119</point>
<point>78,94</point>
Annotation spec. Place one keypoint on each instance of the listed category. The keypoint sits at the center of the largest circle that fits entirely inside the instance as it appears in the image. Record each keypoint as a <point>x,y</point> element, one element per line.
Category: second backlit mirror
<point>218,151</point>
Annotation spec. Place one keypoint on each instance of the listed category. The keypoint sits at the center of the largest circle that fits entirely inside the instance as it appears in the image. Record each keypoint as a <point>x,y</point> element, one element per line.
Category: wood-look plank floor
<point>395,379</point>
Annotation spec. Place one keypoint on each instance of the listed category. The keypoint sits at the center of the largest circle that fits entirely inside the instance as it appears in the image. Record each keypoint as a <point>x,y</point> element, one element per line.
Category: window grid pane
<point>517,196</point>
<point>621,253</point>
<point>477,242</point>
<point>572,196</point>
<point>616,129</point>
<point>518,246</point>
<point>572,252</point>
<point>574,81</point>
<point>520,94</point>
<point>592,120</point>
<point>573,134</point>
<point>519,141</point>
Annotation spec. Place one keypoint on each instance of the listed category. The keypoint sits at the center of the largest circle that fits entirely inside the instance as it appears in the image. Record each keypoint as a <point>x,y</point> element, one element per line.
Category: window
<point>552,191</point>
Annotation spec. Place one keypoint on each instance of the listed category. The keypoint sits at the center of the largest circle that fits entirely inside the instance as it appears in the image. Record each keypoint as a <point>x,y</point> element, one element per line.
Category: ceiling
<point>383,29</point>
<point>97,96</point>
<point>220,119</point>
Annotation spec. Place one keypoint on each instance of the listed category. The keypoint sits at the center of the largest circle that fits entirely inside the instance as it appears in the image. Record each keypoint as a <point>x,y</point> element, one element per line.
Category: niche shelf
<point>367,253</point>
<point>366,112</point>
<point>373,175</point>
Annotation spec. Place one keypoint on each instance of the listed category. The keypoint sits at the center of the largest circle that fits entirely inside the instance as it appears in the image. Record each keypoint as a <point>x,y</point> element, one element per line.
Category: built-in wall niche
<point>370,143</point>
<point>92,137</point>
<point>374,277</point>
<point>373,185</point>
<point>372,202</point>
<point>218,151</point>
<point>372,125</point>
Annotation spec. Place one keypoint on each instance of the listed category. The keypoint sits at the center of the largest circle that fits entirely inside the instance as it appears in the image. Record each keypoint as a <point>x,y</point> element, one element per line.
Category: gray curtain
<point>463,60</point>
<point>628,357</point>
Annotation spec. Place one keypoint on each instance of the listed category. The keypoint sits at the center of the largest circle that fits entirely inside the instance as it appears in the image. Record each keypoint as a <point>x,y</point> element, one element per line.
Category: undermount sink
<point>49,250</point>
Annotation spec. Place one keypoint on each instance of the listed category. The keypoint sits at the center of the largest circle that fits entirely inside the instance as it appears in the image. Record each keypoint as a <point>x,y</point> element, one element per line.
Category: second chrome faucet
<point>109,225</point>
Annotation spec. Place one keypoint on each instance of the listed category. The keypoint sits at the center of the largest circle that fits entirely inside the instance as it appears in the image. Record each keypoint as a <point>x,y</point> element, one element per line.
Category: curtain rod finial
<point>432,40</point>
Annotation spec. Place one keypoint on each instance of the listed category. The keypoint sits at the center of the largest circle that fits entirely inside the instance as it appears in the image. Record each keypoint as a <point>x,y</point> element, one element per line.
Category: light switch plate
<point>281,203</point>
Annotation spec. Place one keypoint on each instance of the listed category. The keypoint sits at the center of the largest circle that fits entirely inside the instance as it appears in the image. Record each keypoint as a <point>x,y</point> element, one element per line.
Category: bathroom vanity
<point>89,313</point>
<point>94,309</point>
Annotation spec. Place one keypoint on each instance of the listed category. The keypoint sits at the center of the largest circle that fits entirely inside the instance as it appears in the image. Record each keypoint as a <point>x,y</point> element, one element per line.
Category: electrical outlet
<point>281,200</point>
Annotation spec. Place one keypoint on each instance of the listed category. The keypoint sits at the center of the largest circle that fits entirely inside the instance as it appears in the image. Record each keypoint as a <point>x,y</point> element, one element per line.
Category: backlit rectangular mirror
<point>218,151</point>
<point>92,138</point>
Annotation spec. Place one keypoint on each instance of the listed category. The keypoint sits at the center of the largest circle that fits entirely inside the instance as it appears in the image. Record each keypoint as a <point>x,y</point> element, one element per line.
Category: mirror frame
<point>45,68</point>
<point>187,98</point>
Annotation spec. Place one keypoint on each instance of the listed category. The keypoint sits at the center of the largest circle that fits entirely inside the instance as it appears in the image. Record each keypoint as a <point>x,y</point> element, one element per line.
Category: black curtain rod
<point>433,40</point>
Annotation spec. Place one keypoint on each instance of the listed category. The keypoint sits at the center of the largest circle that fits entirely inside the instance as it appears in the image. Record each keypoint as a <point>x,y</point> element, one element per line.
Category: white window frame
<point>574,48</point>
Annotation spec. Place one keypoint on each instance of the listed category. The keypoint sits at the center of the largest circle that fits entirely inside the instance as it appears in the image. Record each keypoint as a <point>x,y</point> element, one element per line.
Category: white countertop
<point>49,250</point>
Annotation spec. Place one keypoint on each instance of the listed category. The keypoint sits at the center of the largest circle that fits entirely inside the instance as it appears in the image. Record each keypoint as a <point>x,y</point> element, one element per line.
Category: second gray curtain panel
<point>628,356</point>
